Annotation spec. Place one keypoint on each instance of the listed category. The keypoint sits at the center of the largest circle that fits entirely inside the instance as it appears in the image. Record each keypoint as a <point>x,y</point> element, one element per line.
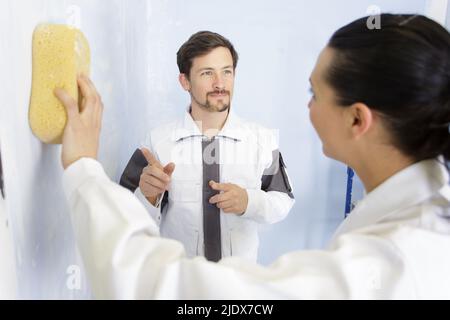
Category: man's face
<point>211,80</point>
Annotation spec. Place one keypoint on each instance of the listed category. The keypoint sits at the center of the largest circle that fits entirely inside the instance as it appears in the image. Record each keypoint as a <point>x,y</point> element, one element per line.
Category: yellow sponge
<point>60,53</point>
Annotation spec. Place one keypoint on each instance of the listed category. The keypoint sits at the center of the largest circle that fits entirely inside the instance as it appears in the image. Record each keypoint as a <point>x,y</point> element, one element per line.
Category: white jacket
<point>248,154</point>
<point>395,244</point>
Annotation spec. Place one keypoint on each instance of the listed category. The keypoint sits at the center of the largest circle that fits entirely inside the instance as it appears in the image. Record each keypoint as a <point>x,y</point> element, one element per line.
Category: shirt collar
<point>188,128</point>
<point>406,188</point>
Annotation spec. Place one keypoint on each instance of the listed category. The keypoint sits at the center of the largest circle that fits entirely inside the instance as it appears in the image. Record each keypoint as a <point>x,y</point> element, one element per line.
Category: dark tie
<point>211,214</point>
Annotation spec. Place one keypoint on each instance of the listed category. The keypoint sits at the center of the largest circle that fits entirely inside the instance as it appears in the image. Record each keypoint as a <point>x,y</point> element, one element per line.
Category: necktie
<point>211,214</point>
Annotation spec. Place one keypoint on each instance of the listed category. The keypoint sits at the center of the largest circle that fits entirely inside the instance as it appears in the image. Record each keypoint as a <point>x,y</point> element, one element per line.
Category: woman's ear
<point>361,119</point>
<point>184,81</point>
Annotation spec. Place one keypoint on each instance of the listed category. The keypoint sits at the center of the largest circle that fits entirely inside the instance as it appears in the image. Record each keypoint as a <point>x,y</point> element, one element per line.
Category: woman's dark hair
<point>199,44</point>
<point>402,71</point>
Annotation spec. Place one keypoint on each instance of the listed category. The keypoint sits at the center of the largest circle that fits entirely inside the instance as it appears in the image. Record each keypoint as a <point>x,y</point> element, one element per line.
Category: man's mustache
<point>218,92</point>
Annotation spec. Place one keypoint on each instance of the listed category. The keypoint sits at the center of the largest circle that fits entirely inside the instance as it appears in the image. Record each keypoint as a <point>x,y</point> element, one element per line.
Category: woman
<point>381,104</point>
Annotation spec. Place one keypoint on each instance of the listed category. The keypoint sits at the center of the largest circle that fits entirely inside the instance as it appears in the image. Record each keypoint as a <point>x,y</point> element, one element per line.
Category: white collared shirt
<point>394,245</point>
<point>246,155</point>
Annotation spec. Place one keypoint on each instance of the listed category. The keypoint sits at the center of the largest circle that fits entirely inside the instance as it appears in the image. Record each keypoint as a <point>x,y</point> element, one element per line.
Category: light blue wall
<point>448,16</point>
<point>133,47</point>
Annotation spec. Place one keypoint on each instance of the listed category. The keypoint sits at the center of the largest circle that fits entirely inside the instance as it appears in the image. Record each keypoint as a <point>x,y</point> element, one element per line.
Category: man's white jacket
<point>249,157</point>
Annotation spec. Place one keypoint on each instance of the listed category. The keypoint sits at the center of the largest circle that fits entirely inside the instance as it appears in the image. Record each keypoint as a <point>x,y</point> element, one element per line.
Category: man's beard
<point>220,106</point>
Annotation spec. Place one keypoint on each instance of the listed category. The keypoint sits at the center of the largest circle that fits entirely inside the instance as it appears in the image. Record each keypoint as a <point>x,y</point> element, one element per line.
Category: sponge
<point>60,53</point>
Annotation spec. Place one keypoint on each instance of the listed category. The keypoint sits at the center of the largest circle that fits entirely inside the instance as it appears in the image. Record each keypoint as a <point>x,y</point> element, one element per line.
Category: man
<point>213,176</point>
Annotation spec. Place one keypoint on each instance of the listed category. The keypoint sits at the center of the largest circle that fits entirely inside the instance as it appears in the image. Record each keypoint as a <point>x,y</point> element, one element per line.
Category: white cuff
<point>253,208</point>
<point>154,211</point>
<point>80,171</point>
<point>159,199</point>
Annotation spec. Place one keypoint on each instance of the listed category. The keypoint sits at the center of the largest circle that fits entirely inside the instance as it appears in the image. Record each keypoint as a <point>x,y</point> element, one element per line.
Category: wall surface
<point>448,16</point>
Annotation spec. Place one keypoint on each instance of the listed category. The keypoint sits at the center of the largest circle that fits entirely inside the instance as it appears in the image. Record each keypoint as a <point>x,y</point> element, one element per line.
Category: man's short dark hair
<point>200,44</point>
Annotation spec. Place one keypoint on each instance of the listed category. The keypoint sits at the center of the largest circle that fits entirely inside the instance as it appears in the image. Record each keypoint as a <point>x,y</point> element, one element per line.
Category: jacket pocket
<point>244,241</point>
<point>247,183</point>
<point>185,191</point>
<point>191,243</point>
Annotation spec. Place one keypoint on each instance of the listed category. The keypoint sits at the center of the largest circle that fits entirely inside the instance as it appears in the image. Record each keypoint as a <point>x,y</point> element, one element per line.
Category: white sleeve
<point>154,211</point>
<point>131,176</point>
<point>274,200</point>
<point>267,207</point>
<point>126,259</point>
